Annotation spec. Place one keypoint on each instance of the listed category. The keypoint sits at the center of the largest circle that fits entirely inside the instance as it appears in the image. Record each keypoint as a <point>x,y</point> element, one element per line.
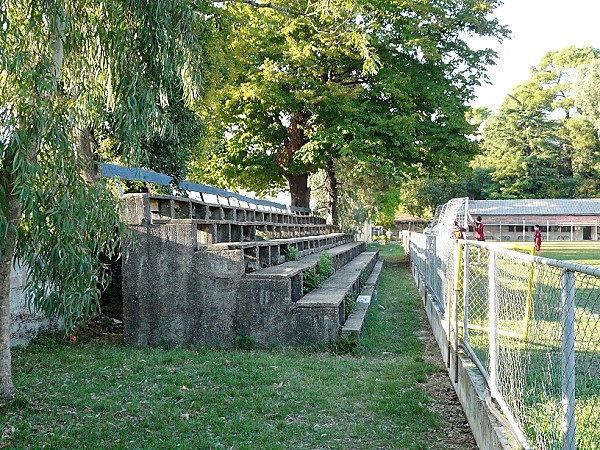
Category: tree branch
<point>270,5</point>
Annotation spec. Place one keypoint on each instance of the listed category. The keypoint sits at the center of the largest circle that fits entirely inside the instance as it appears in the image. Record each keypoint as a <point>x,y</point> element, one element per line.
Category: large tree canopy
<point>539,145</point>
<point>586,92</point>
<point>383,83</point>
<point>73,73</point>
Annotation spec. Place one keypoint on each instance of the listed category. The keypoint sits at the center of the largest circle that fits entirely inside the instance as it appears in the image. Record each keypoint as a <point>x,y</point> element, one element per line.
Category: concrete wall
<point>175,296</point>
<point>25,324</point>
<point>470,386</point>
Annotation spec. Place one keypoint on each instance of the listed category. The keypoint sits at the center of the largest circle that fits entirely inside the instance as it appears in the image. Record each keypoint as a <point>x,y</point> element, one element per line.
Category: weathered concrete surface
<point>354,323</point>
<point>176,296</point>
<point>356,320</point>
<point>25,325</point>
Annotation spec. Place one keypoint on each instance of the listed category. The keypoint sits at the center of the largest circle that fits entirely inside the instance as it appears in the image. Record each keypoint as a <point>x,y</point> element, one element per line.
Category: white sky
<point>538,27</point>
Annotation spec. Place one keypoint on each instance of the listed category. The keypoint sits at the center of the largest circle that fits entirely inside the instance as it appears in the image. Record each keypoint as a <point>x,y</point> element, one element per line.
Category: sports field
<point>531,349</point>
<point>581,252</point>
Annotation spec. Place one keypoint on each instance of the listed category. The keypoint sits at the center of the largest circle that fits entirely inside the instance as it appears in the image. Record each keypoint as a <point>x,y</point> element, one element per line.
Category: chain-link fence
<point>532,327</point>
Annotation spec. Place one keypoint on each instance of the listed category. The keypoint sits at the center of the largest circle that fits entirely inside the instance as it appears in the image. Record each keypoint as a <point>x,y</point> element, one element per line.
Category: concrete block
<point>25,324</point>
<point>219,263</point>
<point>354,323</point>
<point>136,209</point>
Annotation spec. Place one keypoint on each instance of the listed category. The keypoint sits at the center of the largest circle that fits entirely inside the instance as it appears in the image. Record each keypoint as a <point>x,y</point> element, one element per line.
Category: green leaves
<point>109,69</point>
<point>65,238</point>
<point>586,92</point>
<point>539,145</point>
<point>315,276</point>
<point>383,83</point>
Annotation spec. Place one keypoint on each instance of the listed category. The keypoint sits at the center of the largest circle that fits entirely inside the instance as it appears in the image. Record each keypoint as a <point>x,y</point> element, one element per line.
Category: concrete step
<point>333,294</point>
<point>333,290</point>
<point>260,254</point>
<point>355,322</point>
<point>146,209</point>
<point>294,270</point>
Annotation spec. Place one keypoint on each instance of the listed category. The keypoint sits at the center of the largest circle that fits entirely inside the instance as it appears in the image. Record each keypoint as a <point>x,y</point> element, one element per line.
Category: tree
<point>539,145</point>
<point>382,83</point>
<point>69,69</point>
<point>586,92</point>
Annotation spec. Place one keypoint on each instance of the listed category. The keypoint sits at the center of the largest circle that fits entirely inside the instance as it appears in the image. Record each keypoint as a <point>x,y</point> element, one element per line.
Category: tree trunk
<point>7,390</point>
<point>298,183</point>
<point>299,189</point>
<point>88,156</point>
<point>331,188</point>
<point>13,215</point>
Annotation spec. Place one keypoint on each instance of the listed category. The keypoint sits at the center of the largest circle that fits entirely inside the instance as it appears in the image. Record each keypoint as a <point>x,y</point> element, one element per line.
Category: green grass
<point>581,252</point>
<point>97,395</point>
<point>539,358</point>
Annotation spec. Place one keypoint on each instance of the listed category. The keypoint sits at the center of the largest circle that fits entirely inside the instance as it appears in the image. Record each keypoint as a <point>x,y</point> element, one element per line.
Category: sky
<point>538,27</point>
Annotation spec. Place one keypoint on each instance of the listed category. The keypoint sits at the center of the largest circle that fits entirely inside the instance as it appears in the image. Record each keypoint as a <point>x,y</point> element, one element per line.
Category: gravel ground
<point>455,430</point>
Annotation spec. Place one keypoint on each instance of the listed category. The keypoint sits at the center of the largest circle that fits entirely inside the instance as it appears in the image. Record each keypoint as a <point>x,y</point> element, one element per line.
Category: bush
<point>315,277</point>
<point>291,253</point>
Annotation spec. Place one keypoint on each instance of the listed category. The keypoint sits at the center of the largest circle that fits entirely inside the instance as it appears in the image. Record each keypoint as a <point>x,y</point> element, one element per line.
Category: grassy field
<point>530,370</point>
<point>581,252</point>
<point>93,394</point>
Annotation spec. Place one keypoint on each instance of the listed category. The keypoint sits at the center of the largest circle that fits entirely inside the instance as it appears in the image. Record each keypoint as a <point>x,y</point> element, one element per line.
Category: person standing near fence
<point>479,235</point>
<point>427,229</point>
<point>537,239</point>
<point>458,232</point>
<point>388,235</point>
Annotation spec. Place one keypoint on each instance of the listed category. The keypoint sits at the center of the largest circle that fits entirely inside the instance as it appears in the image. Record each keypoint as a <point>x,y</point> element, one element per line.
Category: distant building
<point>408,222</point>
<point>559,219</point>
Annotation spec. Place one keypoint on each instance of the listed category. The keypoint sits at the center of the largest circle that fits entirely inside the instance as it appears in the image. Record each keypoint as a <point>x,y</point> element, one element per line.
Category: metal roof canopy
<point>139,174</point>
<point>536,207</point>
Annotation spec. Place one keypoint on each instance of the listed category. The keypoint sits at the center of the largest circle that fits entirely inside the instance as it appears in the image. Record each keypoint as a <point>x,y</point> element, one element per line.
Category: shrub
<point>291,253</point>
<point>315,277</point>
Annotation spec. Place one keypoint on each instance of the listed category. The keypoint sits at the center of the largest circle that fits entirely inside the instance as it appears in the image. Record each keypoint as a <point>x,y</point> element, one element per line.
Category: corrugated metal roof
<point>408,218</point>
<point>139,174</point>
<point>554,207</point>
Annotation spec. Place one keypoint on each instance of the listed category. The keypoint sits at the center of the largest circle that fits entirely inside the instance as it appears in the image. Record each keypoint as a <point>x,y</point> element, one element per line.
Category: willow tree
<point>383,83</point>
<point>68,71</point>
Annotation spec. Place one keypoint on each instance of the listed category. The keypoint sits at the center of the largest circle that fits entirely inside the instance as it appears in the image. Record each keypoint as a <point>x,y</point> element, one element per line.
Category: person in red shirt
<point>537,239</point>
<point>479,235</point>
<point>458,232</point>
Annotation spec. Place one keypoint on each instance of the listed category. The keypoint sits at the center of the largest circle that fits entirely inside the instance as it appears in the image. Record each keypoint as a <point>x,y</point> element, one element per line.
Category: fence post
<point>493,319</point>
<point>466,272</point>
<point>568,359</point>
<point>458,249</point>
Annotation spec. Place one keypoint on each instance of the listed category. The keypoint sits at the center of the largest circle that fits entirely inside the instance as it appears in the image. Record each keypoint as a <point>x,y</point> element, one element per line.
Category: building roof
<point>407,218</point>
<point>537,207</point>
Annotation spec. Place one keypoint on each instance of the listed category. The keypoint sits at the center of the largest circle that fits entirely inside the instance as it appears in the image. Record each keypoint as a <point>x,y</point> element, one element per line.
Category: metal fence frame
<point>447,267</point>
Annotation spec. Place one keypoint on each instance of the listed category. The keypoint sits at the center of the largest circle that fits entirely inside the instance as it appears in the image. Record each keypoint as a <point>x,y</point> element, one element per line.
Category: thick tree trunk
<point>298,183</point>
<point>331,187</point>
<point>7,390</point>
<point>299,189</point>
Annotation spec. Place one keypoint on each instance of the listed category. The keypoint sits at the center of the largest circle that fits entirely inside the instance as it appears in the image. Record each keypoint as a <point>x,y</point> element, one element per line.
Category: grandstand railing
<point>532,327</point>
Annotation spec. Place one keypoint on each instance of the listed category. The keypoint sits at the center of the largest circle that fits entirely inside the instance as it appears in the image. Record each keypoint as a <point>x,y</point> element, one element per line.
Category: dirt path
<point>455,430</point>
